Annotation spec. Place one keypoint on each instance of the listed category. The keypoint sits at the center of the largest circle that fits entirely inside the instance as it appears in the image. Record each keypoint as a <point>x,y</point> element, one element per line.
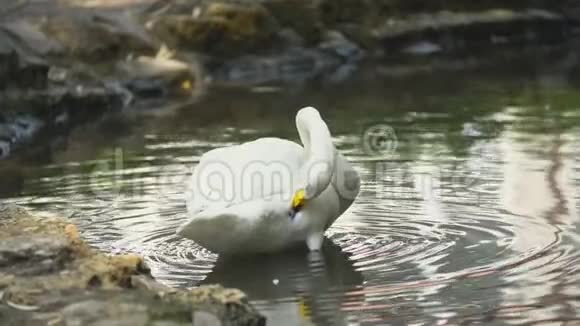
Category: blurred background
<point>462,118</point>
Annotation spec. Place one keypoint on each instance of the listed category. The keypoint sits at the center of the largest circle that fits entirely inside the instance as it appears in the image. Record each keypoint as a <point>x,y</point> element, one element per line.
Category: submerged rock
<point>49,276</point>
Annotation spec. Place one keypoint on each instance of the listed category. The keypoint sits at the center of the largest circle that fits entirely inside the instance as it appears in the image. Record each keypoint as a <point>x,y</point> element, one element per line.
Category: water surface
<point>468,212</point>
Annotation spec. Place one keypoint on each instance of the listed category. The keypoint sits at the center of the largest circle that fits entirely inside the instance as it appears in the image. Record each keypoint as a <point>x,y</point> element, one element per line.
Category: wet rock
<point>28,114</point>
<point>23,127</point>
<point>5,149</point>
<point>336,43</point>
<point>8,213</point>
<point>16,129</point>
<point>296,64</point>
<point>49,276</point>
<point>219,28</point>
<point>18,70</point>
<point>91,312</point>
<point>35,249</point>
<point>290,38</point>
<point>81,103</point>
<point>32,255</point>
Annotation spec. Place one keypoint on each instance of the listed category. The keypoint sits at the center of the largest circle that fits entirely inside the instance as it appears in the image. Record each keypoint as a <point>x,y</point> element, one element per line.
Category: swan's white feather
<point>246,207</point>
<point>268,156</point>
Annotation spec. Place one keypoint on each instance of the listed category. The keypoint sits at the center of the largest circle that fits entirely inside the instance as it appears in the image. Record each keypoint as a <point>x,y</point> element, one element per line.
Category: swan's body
<point>271,193</point>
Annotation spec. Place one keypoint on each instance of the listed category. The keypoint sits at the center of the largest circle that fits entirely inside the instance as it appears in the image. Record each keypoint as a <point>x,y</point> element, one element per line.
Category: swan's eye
<point>298,200</point>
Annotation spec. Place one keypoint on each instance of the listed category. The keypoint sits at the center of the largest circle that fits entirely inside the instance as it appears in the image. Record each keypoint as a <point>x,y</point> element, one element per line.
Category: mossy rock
<point>347,11</point>
<point>92,38</point>
<point>50,276</point>
<point>302,16</point>
<point>222,29</point>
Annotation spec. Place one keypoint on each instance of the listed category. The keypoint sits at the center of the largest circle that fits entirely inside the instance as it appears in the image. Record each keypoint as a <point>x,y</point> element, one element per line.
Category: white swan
<point>271,193</point>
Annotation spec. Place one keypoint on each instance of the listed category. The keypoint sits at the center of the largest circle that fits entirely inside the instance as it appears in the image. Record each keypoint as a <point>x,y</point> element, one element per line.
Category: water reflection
<point>473,219</point>
<point>306,286</point>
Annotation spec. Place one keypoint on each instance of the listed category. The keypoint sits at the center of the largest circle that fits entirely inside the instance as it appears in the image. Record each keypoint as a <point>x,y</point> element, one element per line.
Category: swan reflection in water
<point>295,287</point>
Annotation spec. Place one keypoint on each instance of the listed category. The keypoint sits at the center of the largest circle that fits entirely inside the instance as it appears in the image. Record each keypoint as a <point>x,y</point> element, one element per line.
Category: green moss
<point>222,29</point>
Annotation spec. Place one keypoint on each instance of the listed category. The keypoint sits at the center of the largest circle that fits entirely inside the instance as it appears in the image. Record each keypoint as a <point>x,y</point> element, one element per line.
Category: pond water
<point>468,212</point>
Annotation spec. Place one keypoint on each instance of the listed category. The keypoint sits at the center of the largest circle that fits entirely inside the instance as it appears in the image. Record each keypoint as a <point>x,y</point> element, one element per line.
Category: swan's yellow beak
<point>298,200</point>
<point>303,308</point>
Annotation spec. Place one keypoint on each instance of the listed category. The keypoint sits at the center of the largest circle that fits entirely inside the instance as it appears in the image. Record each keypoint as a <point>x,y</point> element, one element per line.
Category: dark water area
<point>468,212</point>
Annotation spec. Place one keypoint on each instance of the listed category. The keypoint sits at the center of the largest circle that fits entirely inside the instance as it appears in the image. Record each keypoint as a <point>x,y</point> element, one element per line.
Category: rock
<point>30,39</point>
<point>175,7</point>
<point>161,76</point>
<point>41,254</point>
<point>301,16</point>
<point>296,65</point>
<point>138,307</point>
<point>81,103</point>
<point>222,29</point>
<point>49,276</point>
<point>28,114</point>
<point>28,248</point>
<point>334,12</point>
<point>5,149</point>
<point>80,39</point>
<point>96,312</point>
<point>18,70</point>
<point>290,38</point>
<point>336,43</point>
<point>95,37</point>
<point>453,31</point>
<point>9,212</point>
<point>23,127</point>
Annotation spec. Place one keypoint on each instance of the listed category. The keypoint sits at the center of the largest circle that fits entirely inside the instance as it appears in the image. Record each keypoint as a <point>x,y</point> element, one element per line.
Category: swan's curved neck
<point>319,164</point>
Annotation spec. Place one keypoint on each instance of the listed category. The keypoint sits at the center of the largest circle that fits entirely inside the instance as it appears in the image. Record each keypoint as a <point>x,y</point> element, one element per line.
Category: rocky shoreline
<point>49,276</point>
<point>64,63</point>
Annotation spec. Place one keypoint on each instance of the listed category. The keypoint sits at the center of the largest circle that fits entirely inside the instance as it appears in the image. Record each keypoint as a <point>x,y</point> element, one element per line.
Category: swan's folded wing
<point>346,182</point>
<point>243,172</point>
<point>251,226</point>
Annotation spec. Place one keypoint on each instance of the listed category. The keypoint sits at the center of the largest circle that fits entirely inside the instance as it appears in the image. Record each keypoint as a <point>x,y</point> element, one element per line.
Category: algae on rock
<point>220,28</point>
<point>49,275</point>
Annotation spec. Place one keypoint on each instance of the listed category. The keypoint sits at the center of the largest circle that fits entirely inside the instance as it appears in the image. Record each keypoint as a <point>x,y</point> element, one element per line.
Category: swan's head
<point>319,165</point>
<point>307,114</point>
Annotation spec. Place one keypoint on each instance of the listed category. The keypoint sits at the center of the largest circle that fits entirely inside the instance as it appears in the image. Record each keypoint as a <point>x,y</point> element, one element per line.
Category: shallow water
<point>468,212</point>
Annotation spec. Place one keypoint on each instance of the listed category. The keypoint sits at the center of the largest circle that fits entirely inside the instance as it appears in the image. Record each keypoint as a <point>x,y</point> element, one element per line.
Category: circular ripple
<point>415,243</point>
